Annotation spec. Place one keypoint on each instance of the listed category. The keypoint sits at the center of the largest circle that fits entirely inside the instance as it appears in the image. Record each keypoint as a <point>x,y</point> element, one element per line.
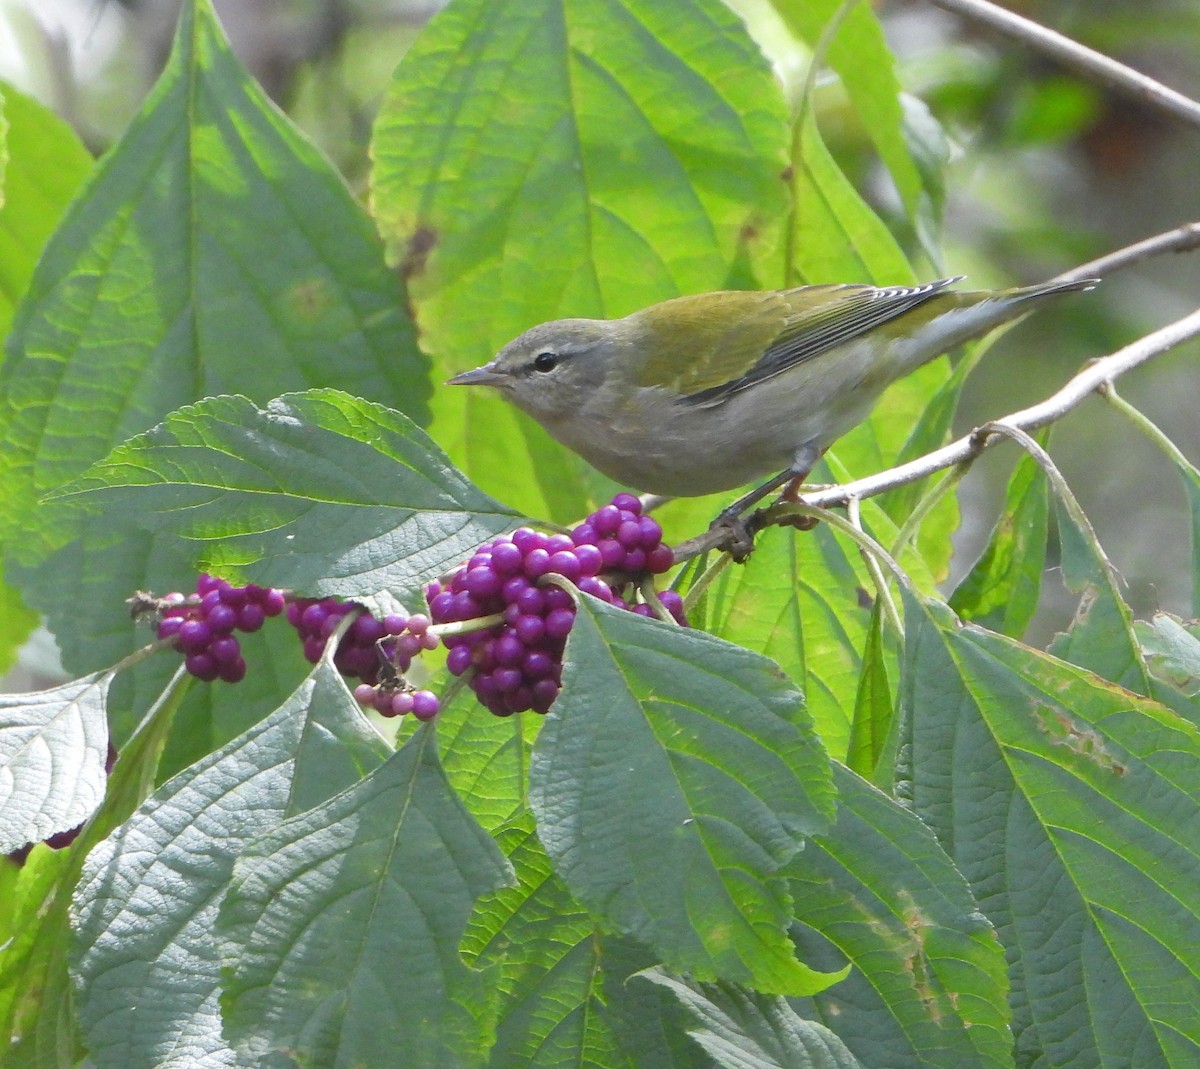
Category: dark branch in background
<point>1092,65</point>
<point>1097,375</point>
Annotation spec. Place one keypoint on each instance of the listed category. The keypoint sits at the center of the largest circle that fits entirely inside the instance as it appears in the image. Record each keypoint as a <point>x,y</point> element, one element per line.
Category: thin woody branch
<point>1091,64</point>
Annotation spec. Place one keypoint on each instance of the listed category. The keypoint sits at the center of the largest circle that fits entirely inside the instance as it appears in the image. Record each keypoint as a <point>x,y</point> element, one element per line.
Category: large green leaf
<point>43,164</point>
<point>672,779</point>
<point>320,491</point>
<point>1068,803</point>
<point>36,997</point>
<point>536,159</point>
<point>1001,590</point>
<point>743,1029</point>
<point>798,601</point>
<point>1100,637</point>
<point>565,998</point>
<point>340,935</point>
<point>859,54</point>
<point>213,249</point>
<point>53,746</point>
<point>928,982</point>
<point>148,991</point>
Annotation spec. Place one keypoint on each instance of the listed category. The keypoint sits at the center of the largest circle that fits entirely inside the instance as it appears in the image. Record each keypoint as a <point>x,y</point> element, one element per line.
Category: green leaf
<point>745,1029</point>
<point>797,600</point>
<point>145,959</point>
<point>564,997</point>
<point>836,236</point>
<point>859,54</point>
<point>928,982</point>
<point>1172,652</point>
<point>873,704</point>
<point>536,159</point>
<point>213,248</point>
<point>42,164</point>
<point>673,777</point>
<point>320,492</point>
<point>53,746</point>
<point>1001,591</point>
<point>1023,764</point>
<point>36,996</point>
<point>1100,637</point>
<point>340,935</point>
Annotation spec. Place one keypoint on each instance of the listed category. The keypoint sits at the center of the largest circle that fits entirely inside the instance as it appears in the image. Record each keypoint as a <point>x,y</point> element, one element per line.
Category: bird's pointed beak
<point>480,376</point>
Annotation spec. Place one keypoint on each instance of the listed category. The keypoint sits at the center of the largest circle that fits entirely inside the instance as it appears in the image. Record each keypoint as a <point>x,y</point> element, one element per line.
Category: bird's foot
<point>736,531</point>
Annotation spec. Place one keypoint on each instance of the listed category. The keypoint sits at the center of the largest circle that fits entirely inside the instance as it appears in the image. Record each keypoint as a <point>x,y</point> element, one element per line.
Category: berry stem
<point>652,599</point>
<point>465,627</point>
<point>707,578</point>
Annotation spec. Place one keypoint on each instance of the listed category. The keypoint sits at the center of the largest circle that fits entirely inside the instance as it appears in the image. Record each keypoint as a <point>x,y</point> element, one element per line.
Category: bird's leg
<point>741,533</point>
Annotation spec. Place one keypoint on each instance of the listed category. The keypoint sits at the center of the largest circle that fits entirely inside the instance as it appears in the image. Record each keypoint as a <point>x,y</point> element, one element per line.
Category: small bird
<point>702,394</point>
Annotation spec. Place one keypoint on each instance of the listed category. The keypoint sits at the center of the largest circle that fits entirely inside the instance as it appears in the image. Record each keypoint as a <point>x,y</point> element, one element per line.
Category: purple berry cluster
<point>516,664</point>
<point>378,652</point>
<point>202,626</point>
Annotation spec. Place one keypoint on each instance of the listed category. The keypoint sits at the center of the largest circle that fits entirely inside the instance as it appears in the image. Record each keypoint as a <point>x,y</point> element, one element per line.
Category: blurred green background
<point>1045,171</point>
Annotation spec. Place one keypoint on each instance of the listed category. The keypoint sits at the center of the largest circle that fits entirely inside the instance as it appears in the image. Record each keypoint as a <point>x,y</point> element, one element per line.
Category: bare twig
<point>1182,239</point>
<point>1093,65</point>
<point>1096,374</point>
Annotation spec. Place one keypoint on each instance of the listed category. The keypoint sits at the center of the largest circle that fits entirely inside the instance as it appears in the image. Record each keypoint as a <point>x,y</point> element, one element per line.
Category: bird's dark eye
<point>545,362</point>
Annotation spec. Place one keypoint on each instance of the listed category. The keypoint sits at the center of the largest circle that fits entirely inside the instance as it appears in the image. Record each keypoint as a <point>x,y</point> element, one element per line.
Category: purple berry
<point>514,587</point>
<point>364,694</point>
<point>660,559</point>
<point>313,618</point>
<point>544,693</point>
<point>529,629</point>
<point>557,598</point>
<point>506,559</point>
<point>635,562</point>
<point>531,601</point>
<point>225,649</point>
<point>402,703</point>
<point>424,705</point>
<point>509,650</point>
<point>221,618</point>
<point>584,535</point>
<point>206,583</point>
<point>429,641</point>
<point>507,679</point>
<point>194,637</point>
<point>537,664</point>
<point>628,502</point>
<point>526,540</point>
<point>395,623</point>
<point>250,617</point>
<point>606,520</point>
<point>202,666</point>
<point>482,581</point>
<point>558,622</point>
<point>169,626</point>
<point>565,564</point>
<point>418,624</point>
<point>629,534</point>
<point>597,588</point>
<point>295,613</point>
<point>233,596</point>
<point>559,543</point>
<point>313,648</point>
<point>234,671</point>
<point>612,553</point>
<point>590,559</point>
<point>458,660</point>
<point>366,630</point>
<point>537,563</point>
<point>651,532</point>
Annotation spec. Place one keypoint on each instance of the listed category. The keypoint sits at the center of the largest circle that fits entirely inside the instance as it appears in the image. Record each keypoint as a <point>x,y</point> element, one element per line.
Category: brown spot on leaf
<point>788,173</point>
<point>420,245</point>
